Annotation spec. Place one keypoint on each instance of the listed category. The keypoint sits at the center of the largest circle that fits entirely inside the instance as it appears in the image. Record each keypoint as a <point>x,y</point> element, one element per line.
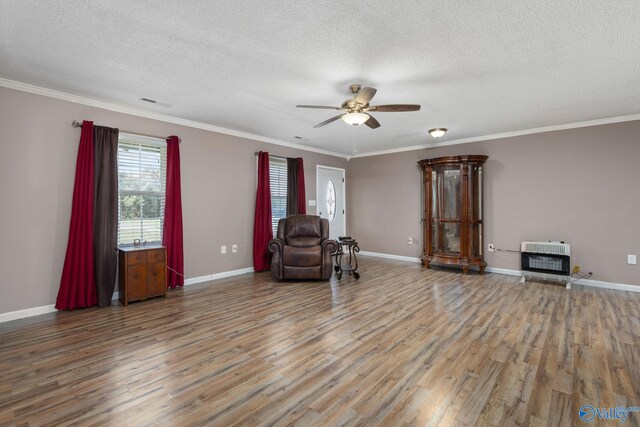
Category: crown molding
<point>91,102</point>
<point>64,96</point>
<point>576,125</point>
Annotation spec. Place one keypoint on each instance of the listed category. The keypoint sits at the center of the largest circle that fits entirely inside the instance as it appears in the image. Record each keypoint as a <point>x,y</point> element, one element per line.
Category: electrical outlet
<point>312,202</point>
<point>223,249</point>
<point>410,241</point>
<point>492,247</point>
<point>234,249</point>
<point>631,259</point>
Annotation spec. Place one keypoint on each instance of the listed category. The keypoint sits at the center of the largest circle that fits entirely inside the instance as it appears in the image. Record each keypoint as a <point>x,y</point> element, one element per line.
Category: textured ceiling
<point>476,67</point>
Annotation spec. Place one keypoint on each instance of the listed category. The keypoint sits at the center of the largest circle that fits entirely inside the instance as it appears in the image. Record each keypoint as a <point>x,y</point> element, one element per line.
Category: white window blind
<point>278,186</point>
<point>142,170</point>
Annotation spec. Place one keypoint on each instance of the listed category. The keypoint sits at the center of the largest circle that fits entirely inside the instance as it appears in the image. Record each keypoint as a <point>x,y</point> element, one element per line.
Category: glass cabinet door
<point>446,209</point>
<point>475,209</point>
<point>451,192</point>
<point>475,192</point>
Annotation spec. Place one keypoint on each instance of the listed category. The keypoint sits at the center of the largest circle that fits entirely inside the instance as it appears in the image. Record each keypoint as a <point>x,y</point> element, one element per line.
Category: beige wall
<point>579,186</point>
<point>576,185</point>
<point>37,165</point>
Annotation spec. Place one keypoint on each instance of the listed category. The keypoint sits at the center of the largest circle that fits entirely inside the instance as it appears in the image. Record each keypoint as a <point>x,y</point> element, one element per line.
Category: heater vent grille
<point>550,248</point>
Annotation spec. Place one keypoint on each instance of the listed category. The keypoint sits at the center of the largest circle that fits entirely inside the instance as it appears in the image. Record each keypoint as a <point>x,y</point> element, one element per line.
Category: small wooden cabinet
<point>452,222</point>
<point>142,273</point>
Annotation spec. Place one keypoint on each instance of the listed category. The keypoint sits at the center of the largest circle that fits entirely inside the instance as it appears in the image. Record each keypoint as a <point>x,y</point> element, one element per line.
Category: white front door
<point>331,199</point>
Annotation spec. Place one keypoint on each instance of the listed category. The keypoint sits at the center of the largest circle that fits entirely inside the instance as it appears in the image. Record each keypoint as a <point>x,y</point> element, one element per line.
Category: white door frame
<point>344,192</point>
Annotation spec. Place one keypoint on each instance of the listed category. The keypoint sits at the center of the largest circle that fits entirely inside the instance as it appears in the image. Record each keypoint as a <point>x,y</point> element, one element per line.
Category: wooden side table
<point>346,258</point>
<point>142,272</point>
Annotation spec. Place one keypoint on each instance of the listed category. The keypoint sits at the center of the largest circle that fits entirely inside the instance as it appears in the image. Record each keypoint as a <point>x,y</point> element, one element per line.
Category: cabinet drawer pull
<point>155,273</point>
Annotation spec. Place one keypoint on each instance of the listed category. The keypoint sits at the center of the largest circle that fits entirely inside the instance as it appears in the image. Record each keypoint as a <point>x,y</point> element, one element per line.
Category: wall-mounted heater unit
<point>547,261</point>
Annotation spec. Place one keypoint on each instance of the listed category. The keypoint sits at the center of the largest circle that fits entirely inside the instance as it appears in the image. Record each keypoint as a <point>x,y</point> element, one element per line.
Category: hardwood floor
<point>401,346</point>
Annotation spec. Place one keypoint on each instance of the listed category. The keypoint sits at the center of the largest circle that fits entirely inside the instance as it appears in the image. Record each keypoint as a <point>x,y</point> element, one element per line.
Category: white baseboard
<point>36,311</point>
<point>608,285</point>
<point>508,272</point>
<point>389,256</point>
<point>583,282</point>
<point>216,276</point>
<point>504,271</point>
<point>27,312</point>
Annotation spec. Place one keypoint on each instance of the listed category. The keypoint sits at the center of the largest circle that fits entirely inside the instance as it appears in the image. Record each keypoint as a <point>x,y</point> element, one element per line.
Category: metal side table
<point>346,260</point>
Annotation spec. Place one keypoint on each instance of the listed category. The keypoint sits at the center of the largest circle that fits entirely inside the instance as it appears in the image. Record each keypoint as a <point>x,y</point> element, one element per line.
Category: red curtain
<point>172,231</point>
<point>302,206</point>
<point>77,284</point>
<point>262,231</point>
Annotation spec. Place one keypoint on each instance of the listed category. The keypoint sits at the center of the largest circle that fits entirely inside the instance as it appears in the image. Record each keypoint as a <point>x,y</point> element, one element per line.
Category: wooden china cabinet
<point>452,221</point>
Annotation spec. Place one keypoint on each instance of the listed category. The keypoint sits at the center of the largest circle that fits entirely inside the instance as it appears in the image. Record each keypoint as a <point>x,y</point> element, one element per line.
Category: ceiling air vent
<point>301,138</point>
<point>148,100</point>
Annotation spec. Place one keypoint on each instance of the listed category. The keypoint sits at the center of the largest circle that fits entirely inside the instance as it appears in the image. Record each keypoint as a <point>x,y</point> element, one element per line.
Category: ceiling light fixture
<point>437,132</point>
<point>355,119</point>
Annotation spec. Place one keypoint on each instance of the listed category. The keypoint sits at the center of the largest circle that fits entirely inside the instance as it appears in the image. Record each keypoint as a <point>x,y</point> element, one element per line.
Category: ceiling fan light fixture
<point>355,119</point>
<point>437,132</point>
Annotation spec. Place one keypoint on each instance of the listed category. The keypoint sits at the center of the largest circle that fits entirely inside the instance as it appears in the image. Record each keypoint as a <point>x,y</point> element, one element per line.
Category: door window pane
<point>331,201</point>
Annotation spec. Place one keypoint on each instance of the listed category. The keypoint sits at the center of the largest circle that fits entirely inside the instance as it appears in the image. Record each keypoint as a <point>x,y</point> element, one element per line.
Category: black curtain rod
<point>270,155</point>
<point>77,124</point>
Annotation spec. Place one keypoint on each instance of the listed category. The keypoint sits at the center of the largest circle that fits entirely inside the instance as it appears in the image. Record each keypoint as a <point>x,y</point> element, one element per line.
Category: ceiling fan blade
<point>326,122</point>
<point>365,94</point>
<point>323,107</point>
<point>395,108</point>
<point>372,122</point>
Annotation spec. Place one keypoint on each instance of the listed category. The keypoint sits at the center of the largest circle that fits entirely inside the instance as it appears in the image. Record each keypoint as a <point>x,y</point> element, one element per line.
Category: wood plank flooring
<point>401,346</point>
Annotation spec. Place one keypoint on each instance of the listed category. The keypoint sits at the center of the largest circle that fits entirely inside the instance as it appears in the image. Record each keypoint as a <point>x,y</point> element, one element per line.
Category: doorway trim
<point>344,192</point>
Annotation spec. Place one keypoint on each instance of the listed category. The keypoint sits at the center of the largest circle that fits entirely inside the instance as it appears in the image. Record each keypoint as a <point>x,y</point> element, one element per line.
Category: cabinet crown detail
<point>453,160</point>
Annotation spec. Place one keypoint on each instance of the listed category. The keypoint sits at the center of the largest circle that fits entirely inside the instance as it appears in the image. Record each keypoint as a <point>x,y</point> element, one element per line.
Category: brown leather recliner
<point>302,249</point>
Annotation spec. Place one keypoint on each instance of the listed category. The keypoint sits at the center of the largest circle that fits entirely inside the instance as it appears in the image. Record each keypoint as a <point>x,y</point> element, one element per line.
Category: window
<point>142,169</point>
<point>278,186</point>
